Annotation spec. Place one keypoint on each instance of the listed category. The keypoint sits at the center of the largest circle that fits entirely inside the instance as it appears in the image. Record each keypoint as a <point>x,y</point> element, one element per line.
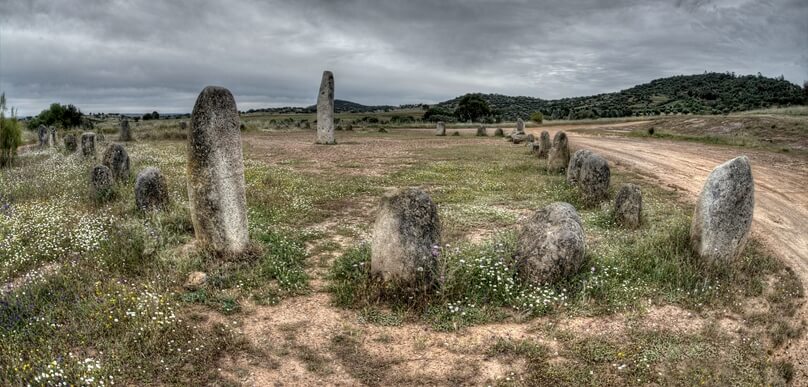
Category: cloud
<point>137,56</point>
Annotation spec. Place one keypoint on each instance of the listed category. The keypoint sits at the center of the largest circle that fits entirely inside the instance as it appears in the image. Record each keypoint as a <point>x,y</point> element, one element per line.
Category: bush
<point>66,116</point>
<point>10,135</point>
<point>537,117</point>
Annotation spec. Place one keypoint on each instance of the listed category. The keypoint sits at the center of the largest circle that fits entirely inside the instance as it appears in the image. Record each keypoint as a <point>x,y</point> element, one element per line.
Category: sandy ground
<point>415,354</point>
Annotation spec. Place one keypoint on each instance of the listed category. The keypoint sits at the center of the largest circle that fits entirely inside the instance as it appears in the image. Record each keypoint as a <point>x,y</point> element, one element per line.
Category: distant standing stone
<point>544,144</point>
<point>88,144</point>
<point>574,167</point>
<point>101,182</point>
<point>70,143</point>
<point>628,206</point>
<point>325,110</point>
<point>498,132</point>
<point>406,239</point>
<point>520,126</point>
<point>42,135</point>
<point>52,136</point>
<point>594,178</point>
<point>550,245</point>
<point>559,156</point>
<point>125,134</point>
<point>183,125</point>
<point>440,129</point>
<point>117,160</point>
<point>723,214</point>
<point>151,190</point>
<point>530,138</point>
<point>216,190</point>
<point>481,132</point>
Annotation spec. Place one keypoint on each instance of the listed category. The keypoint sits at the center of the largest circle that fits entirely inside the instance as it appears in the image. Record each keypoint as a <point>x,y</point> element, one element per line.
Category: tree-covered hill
<point>709,93</point>
<point>340,106</point>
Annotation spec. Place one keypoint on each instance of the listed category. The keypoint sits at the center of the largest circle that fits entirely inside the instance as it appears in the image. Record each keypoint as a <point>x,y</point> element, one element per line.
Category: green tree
<point>537,117</point>
<point>10,134</point>
<point>472,107</point>
<point>66,116</point>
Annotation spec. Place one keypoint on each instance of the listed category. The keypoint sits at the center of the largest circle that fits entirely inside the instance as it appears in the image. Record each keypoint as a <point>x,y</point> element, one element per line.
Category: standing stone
<point>574,167</point>
<point>117,160</point>
<point>70,143</point>
<point>550,245</point>
<point>594,178</point>
<point>441,129</point>
<point>628,206</point>
<point>518,138</point>
<point>126,135</point>
<point>325,110</point>
<point>183,125</point>
<point>216,173</point>
<point>101,182</point>
<point>406,238</point>
<point>481,132</point>
<point>520,126</point>
<point>559,156</point>
<point>544,144</point>
<point>151,190</point>
<point>498,132</point>
<point>530,138</point>
<point>533,147</point>
<point>723,213</point>
<point>42,136</point>
<point>52,136</point>
<point>88,144</point>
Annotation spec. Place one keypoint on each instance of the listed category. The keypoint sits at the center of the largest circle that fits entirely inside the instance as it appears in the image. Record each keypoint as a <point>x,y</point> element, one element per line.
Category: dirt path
<point>781,194</point>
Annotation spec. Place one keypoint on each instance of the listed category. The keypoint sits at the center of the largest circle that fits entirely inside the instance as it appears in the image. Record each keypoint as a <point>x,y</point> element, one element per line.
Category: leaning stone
<point>70,143</point>
<point>520,126</point>
<point>42,135</point>
<point>594,178</point>
<point>151,190</point>
<point>196,280</point>
<point>88,144</point>
<point>215,171</point>
<point>325,110</point>
<point>559,156</point>
<point>628,206</point>
<point>101,181</point>
<point>498,132</point>
<point>574,167</point>
<point>550,244</point>
<point>406,236</point>
<point>481,132</point>
<point>117,160</point>
<point>544,144</point>
<point>440,129</point>
<point>723,214</point>
<point>517,138</point>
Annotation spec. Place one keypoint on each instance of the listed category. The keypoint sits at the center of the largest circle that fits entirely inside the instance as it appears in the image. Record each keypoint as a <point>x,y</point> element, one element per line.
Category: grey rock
<point>151,190</point>
<point>70,143</point>
<point>196,280</point>
<point>215,172</point>
<point>498,132</point>
<point>101,182</point>
<point>117,160</point>
<point>550,245</point>
<point>183,125</point>
<point>481,131</point>
<point>440,129</point>
<point>405,239</point>
<point>544,144</point>
<point>126,135</point>
<point>574,167</point>
<point>533,147</point>
<point>517,138</point>
<point>520,126</point>
<point>325,110</point>
<point>42,135</point>
<point>559,156</point>
<point>628,206</point>
<point>52,136</point>
<point>88,144</point>
<point>723,214</point>
<point>530,138</point>
<point>594,178</point>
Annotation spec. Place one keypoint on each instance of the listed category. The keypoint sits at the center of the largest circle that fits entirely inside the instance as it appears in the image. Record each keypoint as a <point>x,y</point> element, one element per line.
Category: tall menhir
<point>325,110</point>
<point>216,174</point>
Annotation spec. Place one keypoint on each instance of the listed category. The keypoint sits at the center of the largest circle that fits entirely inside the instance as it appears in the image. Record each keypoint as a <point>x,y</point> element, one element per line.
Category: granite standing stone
<point>440,129</point>
<point>117,160</point>
<point>550,245</point>
<point>70,143</point>
<point>126,135</point>
<point>628,206</point>
<point>520,126</point>
<point>544,144</point>
<point>42,136</point>
<point>151,190</point>
<point>101,181</point>
<point>325,110</point>
<point>574,167</point>
<point>481,132</point>
<point>559,156</point>
<point>88,144</point>
<point>594,179</point>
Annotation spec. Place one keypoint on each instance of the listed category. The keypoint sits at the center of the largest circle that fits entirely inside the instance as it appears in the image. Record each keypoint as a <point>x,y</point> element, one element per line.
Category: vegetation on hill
<point>340,106</point>
<point>65,116</point>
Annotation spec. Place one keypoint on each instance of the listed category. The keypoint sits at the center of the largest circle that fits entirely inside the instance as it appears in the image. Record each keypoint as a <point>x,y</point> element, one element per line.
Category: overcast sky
<point>137,56</point>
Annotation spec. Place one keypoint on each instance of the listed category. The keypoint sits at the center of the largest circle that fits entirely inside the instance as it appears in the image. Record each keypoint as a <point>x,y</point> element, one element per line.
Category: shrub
<point>10,135</point>
<point>537,117</point>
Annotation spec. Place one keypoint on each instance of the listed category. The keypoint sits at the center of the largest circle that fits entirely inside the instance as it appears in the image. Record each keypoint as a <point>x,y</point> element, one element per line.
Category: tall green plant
<point>10,134</point>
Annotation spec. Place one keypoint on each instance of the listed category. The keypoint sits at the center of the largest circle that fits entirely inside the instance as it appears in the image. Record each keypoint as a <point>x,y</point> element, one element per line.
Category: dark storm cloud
<point>136,56</point>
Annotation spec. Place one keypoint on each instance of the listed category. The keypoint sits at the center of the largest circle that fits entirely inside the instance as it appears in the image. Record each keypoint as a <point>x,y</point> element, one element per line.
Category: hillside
<point>340,106</point>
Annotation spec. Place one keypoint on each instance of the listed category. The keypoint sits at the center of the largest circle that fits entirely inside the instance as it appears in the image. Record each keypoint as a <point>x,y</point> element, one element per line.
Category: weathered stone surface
<point>517,138</point>
<point>481,131</point>
<point>456,133</point>
<point>533,147</point>
<point>574,167</point>
<point>196,280</point>
<point>325,110</point>
<point>544,144</point>
<point>101,181</point>
<point>216,173</point>
<point>550,245</point>
<point>117,160</point>
<point>88,144</point>
<point>559,156</point>
<point>126,135</point>
<point>406,237</point>
<point>52,136</point>
<point>594,178</point>
<point>151,190</point>
<point>70,143</point>
<point>723,214</point>
<point>440,129</point>
<point>530,138</point>
<point>520,126</point>
<point>183,125</point>
<point>628,205</point>
<point>498,132</point>
<point>42,135</point>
